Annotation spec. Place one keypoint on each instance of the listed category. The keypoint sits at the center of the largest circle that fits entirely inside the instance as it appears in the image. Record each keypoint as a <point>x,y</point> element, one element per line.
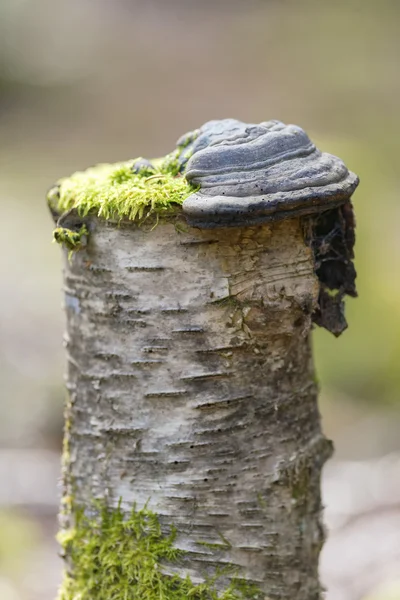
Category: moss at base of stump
<point>112,557</point>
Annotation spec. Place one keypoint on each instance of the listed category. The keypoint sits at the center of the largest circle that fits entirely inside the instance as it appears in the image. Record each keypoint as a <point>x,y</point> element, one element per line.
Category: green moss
<point>115,191</point>
<point>113,557</point>
<point>72,240</point>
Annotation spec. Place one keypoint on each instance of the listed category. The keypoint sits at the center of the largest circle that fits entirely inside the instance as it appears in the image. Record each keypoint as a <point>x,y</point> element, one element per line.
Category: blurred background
<point>84,81</point>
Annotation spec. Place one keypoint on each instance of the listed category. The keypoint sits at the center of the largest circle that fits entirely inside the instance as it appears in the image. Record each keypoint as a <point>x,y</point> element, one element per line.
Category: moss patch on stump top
<point>122,190</point>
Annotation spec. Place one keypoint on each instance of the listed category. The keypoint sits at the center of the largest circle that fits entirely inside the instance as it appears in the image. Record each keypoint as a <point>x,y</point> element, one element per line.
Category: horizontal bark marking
<point>113,375</point>
<point>151,349</point>
<point>106,356</point>
<point>196,242</point>
<point>219,451</point>
<point>216,470</point>
<point>176,463</point>
<point>97,270</point>
<point>73,281</point>
<point>102,316</point>
<point>198,558</point>
<point>120,430</point>
<point>179,445</point>
<point>141,268</point>
<point>175,310</point>
<point>144,362</point>
<point>259,453</point>
<point>166,393</point>
<point>222,403</point>
<point>137,323</point>
<point>188,329</point>
<point>211,375</point>
<point>224,429</point>
<point>251,513</point>
<point>119,296</point>
<point>185,499</point>
<point>251,467</point>
<point>255,457</point>
<point>251,549</point>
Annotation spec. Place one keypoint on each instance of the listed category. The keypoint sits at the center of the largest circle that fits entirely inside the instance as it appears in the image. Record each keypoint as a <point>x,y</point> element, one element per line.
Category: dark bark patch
<point>331,236</point>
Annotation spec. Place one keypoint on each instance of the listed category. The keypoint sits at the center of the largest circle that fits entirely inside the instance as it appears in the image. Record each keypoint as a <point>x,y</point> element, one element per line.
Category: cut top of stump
<point>227,173</point>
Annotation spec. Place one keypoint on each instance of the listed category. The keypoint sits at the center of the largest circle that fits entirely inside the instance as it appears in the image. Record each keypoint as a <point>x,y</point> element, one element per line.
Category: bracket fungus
<point>253,173</point>
<point>250,174</point>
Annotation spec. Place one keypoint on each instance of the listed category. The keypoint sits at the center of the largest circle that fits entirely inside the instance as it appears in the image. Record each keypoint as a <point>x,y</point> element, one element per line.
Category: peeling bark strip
<point>192,396</point>
<point>192,388</point>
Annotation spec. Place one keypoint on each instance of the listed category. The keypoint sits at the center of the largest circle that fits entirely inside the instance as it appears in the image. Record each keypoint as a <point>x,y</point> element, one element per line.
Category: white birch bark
<point>192,388</point>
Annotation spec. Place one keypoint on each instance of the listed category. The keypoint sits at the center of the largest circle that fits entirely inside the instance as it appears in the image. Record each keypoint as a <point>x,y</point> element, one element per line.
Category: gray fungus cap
<point>254,173</point>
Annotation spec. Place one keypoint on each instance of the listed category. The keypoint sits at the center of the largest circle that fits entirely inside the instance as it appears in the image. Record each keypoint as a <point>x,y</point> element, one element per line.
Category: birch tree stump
<point>192,395</point>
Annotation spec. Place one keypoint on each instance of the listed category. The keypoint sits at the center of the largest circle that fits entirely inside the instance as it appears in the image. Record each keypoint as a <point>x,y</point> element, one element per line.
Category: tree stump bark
<point>192,390</point>
<point>193,447</point>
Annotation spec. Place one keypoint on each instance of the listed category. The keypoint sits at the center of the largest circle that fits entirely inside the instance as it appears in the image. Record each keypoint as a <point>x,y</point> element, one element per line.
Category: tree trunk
<point>192,393</point>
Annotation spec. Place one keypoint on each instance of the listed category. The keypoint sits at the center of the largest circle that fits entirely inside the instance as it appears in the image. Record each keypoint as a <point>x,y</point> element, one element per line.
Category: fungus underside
<point>118,557</point>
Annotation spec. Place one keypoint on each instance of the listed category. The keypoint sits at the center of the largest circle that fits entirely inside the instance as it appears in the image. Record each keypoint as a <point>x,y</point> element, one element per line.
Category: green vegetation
<point>113,557</point>
<point>116,191</point>
<point>72,240</point>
